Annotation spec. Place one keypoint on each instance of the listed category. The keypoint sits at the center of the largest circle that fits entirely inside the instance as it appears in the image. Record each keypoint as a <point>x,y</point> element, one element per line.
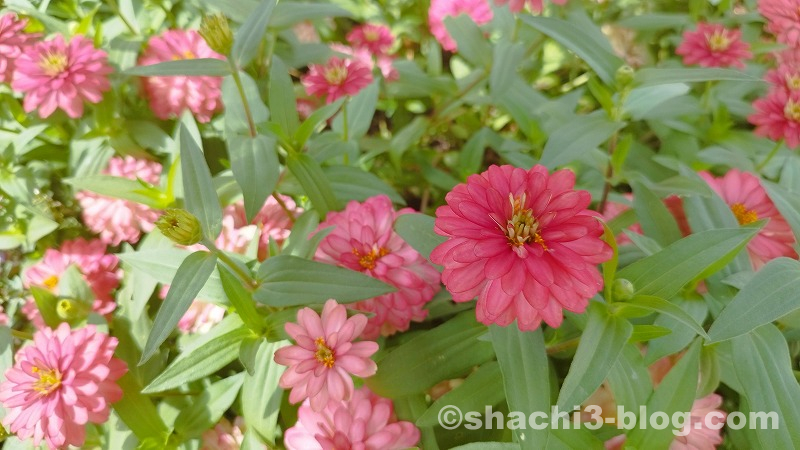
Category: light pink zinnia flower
<point>339,77</point>
<point>536,5</point>
<point>366,422</point>
<point>63,381</point>
<point>749,202</point>
<point>170,96</point>
<point>523,242</point>
<point>12,42</point>
<point>225,435</point>
<point>363,240</point>
<point>376,38</point>
<point>777,116</point>
<point>783,19</point>
<point>713,45</point>
<point>54,74</point>
<point>273,221</point>
<point>319,366</point>
<point>117,220</point>
<point>478,10</point>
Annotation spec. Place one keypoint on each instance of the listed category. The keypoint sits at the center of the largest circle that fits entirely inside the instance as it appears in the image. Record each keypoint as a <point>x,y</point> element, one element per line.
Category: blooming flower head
<point>225,435</point>
<point>339,77</point>
<point>749,202</point>
<point>366,421</point>
<point>376,38</point>
<point>363,240</point>
<point>117,220</point>
<point>783,19</point>
<point>777,116</point>
<point>536,5</point>
<point>170,96</point>
<point>65,380</point>
<point>12,43</point>
<point>320,364</point>
<point>785,76</point>
<point>478,10</point>
<point>368,59</point>
<point>55,74</point>
<point>523,242</point>
<point>713,45</point>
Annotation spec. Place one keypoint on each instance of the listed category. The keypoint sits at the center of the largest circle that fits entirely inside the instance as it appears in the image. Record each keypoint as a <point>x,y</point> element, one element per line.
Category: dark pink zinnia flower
<point>55,74</point>
<point>478,10</point>
<point>713,45</point>
<point>523,242</point>
<point>777,116</point>
<point>785,77</point>
<point>12,42</point>
<point>376,38</point>
<point>339,77</point>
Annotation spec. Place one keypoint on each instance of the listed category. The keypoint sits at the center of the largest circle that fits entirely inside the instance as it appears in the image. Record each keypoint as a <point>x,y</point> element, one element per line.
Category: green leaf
<point>445,352</point>
<point>482,388</point>
<point>255,166</point>
<point>770,295</point>
<point>208,408</point>
<point>787,203</point>
<point>191,276</point>
<point>657,221</point>
<point>123,188</point>
<point>211,67</point>
<point>261,395</point>
<point>288,13</point>
<point>610,266</point>
<point>138,412</point>
<point>601,343</point>
<point>488,446</point>
<point>507,56</point>
<point>285,281</point>
<point>659,305</point>
<point>629,379</point>
<point>682,334</point>
<point>351,183</point>
<point>653,76</point>
<point>577,137</point>
<point>46,304</point>
<point>198,188</point>
<point>316,185</point>
<point>694,257</point>
<point>417,230</point>
<point>235,113</point>
<point>472,46</point>
<point>360,111</point>
<point>249,36</point>
<point>282,101</point>
<point>241,299</point>
<point>316,118</point>
<point>642,333</point>
<point>406,137</point>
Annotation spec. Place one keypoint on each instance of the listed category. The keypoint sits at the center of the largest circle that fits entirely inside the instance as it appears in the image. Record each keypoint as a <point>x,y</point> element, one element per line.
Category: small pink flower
<point>713,45</point>
<point>749,202</point>
<point>225,435</point>
<point>339,77</point>
<point>13,40</point>
<point>170,96</point>
<point>786,77</point>
<point>117,220</point>
<point>363,240</point>
<point>54,74</point>
<point>58,385</point>
<point>376,38</point>
<point>777,116</point>
<point>272,221</point>
<point>523,242</point>
<point>319,366</point>
<point>364,55</point>
<point>783,19</point>
<point>366,422</point>
<point>536,5</point>
<point>478,10</point>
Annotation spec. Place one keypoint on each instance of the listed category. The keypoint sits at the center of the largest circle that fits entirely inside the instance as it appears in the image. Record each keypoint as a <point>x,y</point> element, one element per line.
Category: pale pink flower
<point>55,74</point>
<point>170,96</point>
<point>749,202</point>
<point>225,435</point>
<point>777,116</point>
<point>58,385</point>
<point>13,41</point>
<point>713,45</point>
<point>365,422</point>
<point>272,220</point>
<point>339,77</point>
<point>376,38</point>
<point>536,5</point>
<point>478,10</point>
<point>320,364</point>
<point>363,240</point>
<point>523,242</point>
<point>370,60</point>
<point>117,220</point>
<point>783,19</point>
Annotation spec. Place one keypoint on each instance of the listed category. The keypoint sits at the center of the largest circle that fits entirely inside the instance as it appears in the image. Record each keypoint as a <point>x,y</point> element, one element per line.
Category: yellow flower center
<point>53,64</point>
<point>522,227</point>
<point>187,54</point>
<point>368,261</point>
<point>335,75</point>
<point>324,354</point>
<point>51,282</point>
<point>793,81</point>
<point>792,111</point>
<point>49,380</point>
<point>718,41</point>
<point>743,215</point>
<point>371,35</point>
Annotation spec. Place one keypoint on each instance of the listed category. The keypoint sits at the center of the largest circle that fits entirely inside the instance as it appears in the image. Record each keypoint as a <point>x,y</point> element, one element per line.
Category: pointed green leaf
<point>209,407</point>
<point>210,67</point>
<point>249,36</point>
<point>138,412</point>
<point>261,395</point>
<point>656,220</point>
<point>417,230</point>
<point>241,299</point>
<point>198,188</point>
<point>316,185</point>
<point>482,388</point>
<point>255,166</point>
<point>577,137</point>
<point>659,305</point>
<point>282,102</point>
<point>650,76</point>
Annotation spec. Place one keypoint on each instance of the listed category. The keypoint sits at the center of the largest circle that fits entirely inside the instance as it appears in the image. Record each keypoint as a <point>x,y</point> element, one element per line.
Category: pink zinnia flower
<point>12,43</point>
<point>713,45</point>
<point>783,19</point>
<point>65,380</point>
<point>225,435</point>
<point>478,10</point>
<point>273,221</point>
<point>366,422</point>
<point>523,242</point>
<point>367,58</point>
<point>170,96</point>
<point>536,5</point>
<point>749,202</point>
<point>54,74</point>
<point>339,77</point>
<point>785,76</point>
<point>363,240</point>
<point>376,38</point>
<point>319,366</point>
<point>117,220</point>
<point>777,116</point>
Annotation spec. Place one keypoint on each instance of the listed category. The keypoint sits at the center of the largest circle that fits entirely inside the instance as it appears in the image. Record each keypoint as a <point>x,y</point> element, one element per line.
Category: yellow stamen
<point>793,81</point>
<point>335,74</point>
<point>324,354</point>
<point>743,215</point>
<point>718,42</point>
<point>49,380</point>
<point>187,54</point>
<point>51,282</point>
<point>369,260</point>
<point>522,227</point>
<point>53,64</point>
<point>792,111</point>
<point>371,35</point>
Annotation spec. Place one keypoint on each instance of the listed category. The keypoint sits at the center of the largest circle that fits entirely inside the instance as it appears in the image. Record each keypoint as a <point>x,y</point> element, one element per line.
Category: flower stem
<point>285,208</point>
<point>236,79</point>
<point>563,346</point>
<point>22,335</point>
<point>113,5</point>
<point>249,282</point>
<point>771,155</point>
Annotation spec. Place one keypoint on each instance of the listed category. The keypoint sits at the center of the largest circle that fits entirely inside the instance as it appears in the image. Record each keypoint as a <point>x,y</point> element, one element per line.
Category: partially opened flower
<point>61,383</point>
<point>339,77</point>
<point>523,242</point>
<point>713,45</point>
<point>364,240</point>
<point>749,202</point>
<point>321,363</point>
<point>366,421</point>
<point>225,435</point>
<point>478,10</point>
<point>376,38</point>
<point>117,220</point>
<point>169,96</point>
<point>56,74</point>
<point>13,41</point>
<point>777,116</point>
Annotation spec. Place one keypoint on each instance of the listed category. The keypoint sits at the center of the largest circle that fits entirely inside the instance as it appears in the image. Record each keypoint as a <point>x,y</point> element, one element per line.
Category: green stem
<point>285,208</point>
<point>113,5</point>
<point>236,79</point>
<point>563,346</point>
<point>345,131</point>
<point>249,282</point>
<point>22,335</point>
<point>447,104</point>
<point>771,155</point>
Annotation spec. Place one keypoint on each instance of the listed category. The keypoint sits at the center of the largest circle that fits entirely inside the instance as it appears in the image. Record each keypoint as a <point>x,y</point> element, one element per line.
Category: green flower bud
<point>180,226</point>
<point>624,77</point>
<point>217,33</point>
<point>71,309</point>
<point>622,289</point>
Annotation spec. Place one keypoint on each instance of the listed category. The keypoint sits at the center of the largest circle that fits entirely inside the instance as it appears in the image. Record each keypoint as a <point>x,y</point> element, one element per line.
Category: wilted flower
<point>777,116</point>
<point>339,77</point>
<point>12,42</point>
<point>713,45</point>
<point>478,10</point>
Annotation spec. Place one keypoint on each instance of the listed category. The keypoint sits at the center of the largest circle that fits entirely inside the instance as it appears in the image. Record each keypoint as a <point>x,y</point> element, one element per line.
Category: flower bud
<point>180,226</point>
<point>622,289</point>
<point>624,77</point>
<point>71,309</point>
<point>217,33</point>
